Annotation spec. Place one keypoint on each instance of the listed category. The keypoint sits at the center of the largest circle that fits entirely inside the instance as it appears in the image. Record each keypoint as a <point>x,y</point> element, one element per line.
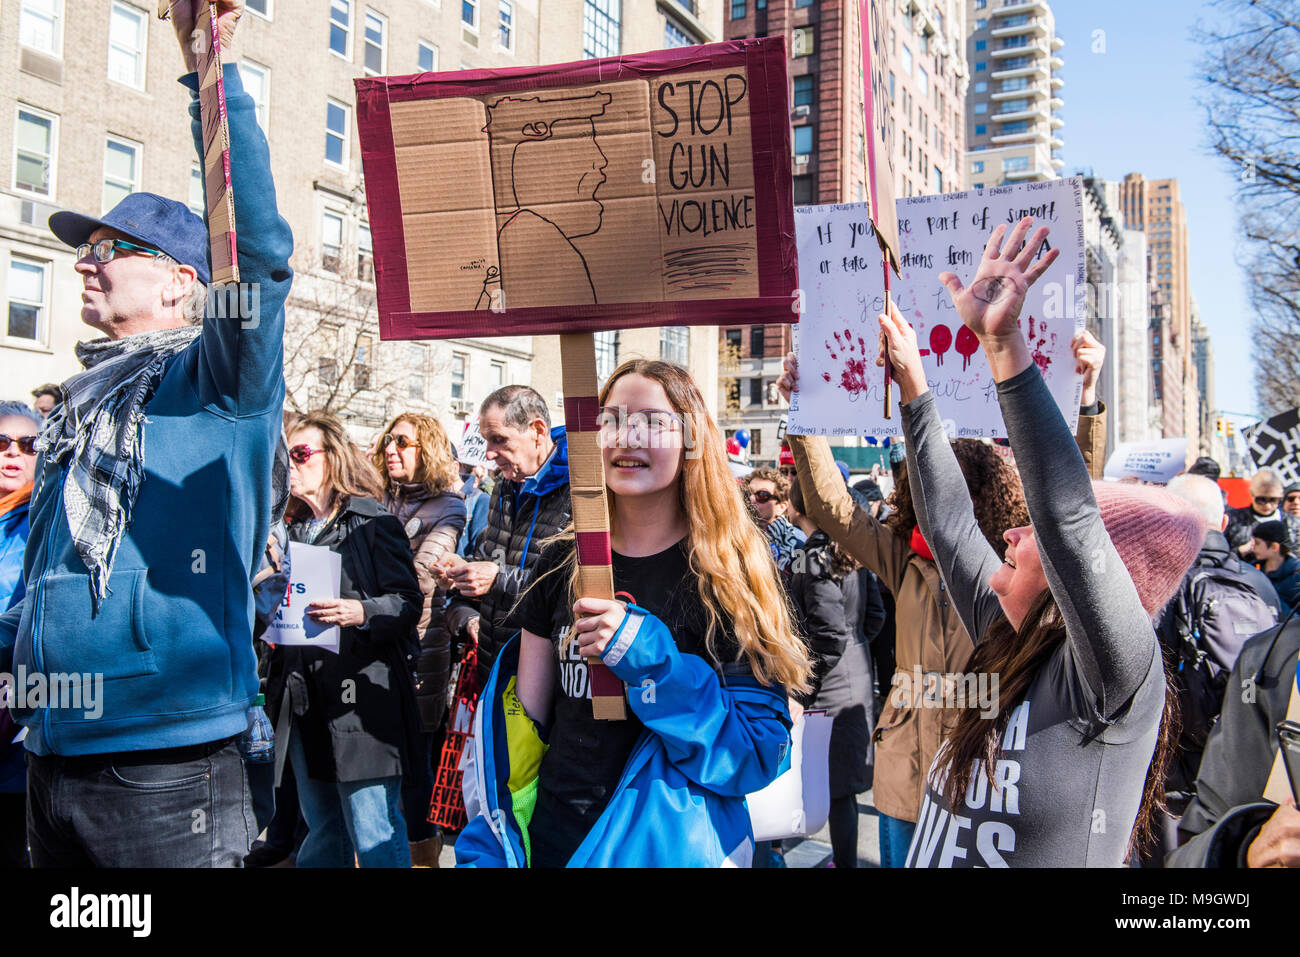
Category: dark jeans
<point>178,807</point>
<point>843,821</point>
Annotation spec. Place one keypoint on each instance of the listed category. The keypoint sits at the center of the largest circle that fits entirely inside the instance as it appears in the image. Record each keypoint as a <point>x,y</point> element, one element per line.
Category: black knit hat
<point>1274,532</point>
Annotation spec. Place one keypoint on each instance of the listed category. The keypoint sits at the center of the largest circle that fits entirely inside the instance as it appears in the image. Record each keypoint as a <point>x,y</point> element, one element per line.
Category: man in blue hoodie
<point>151,506</point>
<point>529,505</point>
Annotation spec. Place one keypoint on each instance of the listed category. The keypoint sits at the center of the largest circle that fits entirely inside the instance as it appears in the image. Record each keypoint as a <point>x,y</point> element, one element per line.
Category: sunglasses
<point>763,496</point>
<point>789,471</point>
<point>105,249</point>
<point>1267,499</point>
<point>402,442</point>
<point>1293,497</point>
<point>26,443</point>
<point>301,454</point>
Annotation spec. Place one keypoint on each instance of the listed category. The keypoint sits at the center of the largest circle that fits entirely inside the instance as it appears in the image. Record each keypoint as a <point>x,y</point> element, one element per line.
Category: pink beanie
<point>1157,535</point>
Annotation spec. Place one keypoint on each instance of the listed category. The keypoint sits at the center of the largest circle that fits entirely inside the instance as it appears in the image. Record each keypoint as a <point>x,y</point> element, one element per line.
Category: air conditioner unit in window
<point>802,110</point>
<point>469,38</point>
<point>801,159</point>
<point>460,406</point>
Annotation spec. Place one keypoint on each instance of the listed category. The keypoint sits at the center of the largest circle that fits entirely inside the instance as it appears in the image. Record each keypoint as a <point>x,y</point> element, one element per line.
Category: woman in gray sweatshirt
<point>1054,776</point>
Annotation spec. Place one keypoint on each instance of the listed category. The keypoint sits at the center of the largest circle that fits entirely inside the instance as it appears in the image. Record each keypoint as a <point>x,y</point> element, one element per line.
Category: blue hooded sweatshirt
<point>173,642</point>
<point>680,802</point>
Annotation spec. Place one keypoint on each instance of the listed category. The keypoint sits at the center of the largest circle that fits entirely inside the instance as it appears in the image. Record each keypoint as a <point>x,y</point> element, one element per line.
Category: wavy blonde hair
<point>729,555</point>
<point>436,468</point>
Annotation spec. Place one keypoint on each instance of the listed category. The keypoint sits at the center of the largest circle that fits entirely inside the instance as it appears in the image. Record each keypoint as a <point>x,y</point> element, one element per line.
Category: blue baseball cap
<point>150,220</point>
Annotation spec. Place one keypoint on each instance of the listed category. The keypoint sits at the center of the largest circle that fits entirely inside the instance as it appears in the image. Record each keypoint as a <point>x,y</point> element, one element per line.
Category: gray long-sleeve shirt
<point>1075,752</point>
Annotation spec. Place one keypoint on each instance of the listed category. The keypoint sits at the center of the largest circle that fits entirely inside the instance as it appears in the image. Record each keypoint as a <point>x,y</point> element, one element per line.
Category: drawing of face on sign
<point>547,166</point>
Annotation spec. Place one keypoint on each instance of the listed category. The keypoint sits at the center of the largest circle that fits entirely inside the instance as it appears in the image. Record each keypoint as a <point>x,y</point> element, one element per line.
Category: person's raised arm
<point>939,495</point>
<point>241,365</point>
<point>1109,632</point>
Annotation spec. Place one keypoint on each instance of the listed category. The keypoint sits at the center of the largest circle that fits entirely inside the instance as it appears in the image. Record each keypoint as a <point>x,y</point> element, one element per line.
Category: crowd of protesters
<point>1024,665</point>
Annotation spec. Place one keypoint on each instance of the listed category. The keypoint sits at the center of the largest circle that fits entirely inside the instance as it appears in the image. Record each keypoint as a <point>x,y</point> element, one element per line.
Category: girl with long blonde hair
<point>700,633</point>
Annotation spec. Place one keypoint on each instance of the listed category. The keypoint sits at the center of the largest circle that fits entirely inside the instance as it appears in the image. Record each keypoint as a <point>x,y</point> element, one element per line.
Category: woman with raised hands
<point>1056,776</point>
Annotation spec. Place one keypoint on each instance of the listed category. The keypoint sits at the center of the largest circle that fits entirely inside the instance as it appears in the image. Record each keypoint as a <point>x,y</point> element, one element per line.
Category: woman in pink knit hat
<point>1065,770</point>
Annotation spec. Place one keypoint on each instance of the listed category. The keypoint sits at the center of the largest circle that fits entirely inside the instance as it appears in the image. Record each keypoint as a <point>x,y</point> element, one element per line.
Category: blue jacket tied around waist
<point>708,741</point>
<point>173,642</point>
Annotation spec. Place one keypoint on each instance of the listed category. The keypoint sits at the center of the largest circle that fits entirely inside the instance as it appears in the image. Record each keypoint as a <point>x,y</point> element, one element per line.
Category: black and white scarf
<point>97,435</point>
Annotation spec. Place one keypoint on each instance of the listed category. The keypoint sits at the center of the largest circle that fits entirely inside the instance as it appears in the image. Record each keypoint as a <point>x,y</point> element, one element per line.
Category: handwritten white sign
<point>314,575</point>
<point>472,450</point>
<point>840,275</point>
<point>1158,460</point>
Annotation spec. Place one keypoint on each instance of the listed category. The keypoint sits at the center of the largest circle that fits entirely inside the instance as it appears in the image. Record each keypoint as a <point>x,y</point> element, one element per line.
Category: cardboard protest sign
<point>873,34</point>
<point>1158,460</point>
<point>1275,444</point>
<point>631,191</point>
<point>314,575</point>
<point>837,338</point>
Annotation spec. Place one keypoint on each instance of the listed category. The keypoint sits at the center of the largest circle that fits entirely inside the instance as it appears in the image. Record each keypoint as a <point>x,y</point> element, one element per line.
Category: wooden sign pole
<point>590,507</point>
<point>218,197</point>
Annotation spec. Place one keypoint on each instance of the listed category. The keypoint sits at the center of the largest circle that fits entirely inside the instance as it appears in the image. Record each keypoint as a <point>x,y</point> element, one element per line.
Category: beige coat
<point>928,631</point>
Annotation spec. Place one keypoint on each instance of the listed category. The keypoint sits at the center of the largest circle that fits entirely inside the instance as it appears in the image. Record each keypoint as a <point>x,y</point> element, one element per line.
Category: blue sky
<point>1132,108</point>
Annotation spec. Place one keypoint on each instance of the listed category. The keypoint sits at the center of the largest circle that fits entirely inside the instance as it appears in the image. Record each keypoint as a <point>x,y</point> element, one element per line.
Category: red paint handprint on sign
<point>1036,343</point>
<point>853,350</point>
<point>940,341</point>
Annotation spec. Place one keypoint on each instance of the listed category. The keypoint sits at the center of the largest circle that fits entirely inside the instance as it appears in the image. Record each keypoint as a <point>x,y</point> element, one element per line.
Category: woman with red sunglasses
<point>423,492</point>
<point>19,426</point>
<point>348,720</point>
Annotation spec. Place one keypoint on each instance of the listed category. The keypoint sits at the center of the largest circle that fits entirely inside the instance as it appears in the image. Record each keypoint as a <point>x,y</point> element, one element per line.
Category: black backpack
<point>1214,613</point>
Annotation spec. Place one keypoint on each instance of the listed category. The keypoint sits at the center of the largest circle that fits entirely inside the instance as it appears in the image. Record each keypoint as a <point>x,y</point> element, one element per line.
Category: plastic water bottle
<point>258,743</point>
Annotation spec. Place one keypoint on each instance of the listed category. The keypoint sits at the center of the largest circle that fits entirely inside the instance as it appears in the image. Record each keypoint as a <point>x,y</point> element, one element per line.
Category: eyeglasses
<point>105,249</point>
<point>1293,497</point>
<point>26,443</point>
<point>402,441</point>
<point>763,496</point>
<point>1267,499</point>
<point>789,471</point>
<point>301,454</point>
<point>651,422</point>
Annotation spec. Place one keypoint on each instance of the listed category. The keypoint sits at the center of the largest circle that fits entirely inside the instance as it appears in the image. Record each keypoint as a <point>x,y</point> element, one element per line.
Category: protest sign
<point>837,338</point>
<point>631,191</point>
<point>472,450</point>
<point>1275,444</point>
<point>1158,460</point>
<point>314,575</point>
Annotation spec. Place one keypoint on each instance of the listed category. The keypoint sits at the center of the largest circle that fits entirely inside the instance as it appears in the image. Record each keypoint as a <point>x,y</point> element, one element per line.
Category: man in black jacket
<point>1229,824</point>
<point>1265,497</point>
<point>529,505</point>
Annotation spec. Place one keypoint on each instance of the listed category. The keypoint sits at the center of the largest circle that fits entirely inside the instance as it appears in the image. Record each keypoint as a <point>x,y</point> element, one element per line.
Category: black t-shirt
<point>586,757</point>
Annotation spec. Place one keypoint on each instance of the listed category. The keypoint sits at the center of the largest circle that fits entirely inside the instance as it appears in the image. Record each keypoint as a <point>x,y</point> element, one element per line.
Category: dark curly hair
<point>995,491</point>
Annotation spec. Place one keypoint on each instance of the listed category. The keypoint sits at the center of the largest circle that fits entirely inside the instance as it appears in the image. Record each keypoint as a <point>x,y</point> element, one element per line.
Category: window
<point>891,86</point>
<point>34,151</point>
<point>923,80</point>
<point>497,373</point>
<point>121,170</point>
<point>756,342</point>
<point>755,391</point>
<point>262,7</point>
<point>734,339</point>
<point>938,179</point>
<point>417,362</point>
<point>327,370</point>
<point>331,240</point>
<point>979,186</point>
<point>981,4</point>
<point>980,129</point>
<point>803,3</point>
<point>365,254</point>
<point>981,66</point>
<point>506,26</point>
<point>376,40</point>
<point>601,29</point>
<point>40,25</point>
<point>340,27</point>
<point>907,61</point>
<point>337,131</point>
<point>127,30</point>
<point>197,203</point>
<point>737,9</point>
<point>981,86</point>
<point>803,90</point>
<point>469,14</point>
<point>257,84</point>
<point>674,344</point>
<point>977,166</point>
<point>675,36</point>
<point>606,354</point>
<point>981,45</point>
<point>361,363</point>
<point>28,279</point>
<point>428,57</point>
<point>981,108</point>
<point>459,366</point>
<point>981,23</point>
<point>803,140</point>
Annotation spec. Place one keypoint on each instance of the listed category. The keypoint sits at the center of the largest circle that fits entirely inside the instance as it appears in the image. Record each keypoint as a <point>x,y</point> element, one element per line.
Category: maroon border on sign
<point>765,62</point>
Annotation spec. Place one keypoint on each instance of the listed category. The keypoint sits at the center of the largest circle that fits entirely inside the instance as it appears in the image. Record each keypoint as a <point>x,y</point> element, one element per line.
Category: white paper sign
<point>841,388</point>
<point>314,575</point>
<point>472,450</point>
<point>1158,460</point>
